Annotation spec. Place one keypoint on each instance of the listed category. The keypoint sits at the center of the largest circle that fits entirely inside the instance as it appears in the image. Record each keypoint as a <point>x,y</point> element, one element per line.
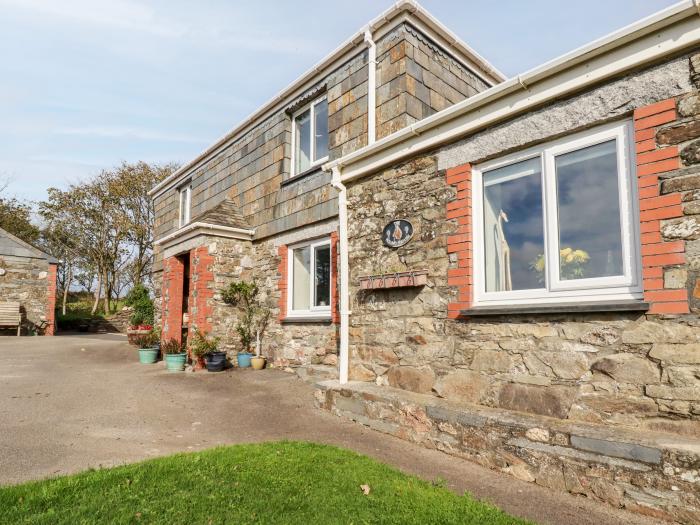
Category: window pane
<point>302,129</point>
<point>322,284</point>
<point>321,124</point>
<point>301,277</point>
<point>184,206</point>
<point>513,227</point>
<point>588,199</point>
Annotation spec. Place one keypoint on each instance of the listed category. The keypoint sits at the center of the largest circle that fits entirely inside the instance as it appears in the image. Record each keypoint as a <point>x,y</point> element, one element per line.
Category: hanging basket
<point>410,279</point>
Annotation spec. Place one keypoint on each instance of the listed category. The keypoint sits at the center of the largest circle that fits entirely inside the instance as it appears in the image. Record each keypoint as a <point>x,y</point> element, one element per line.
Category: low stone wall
<point>649,473</point>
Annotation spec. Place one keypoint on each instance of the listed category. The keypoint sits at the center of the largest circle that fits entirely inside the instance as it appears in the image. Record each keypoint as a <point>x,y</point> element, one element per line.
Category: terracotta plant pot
<point>258,362</point>
<point>199,363</point>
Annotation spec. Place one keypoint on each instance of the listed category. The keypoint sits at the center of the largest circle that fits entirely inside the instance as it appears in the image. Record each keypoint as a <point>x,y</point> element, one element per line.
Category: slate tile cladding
<point>415,78</point>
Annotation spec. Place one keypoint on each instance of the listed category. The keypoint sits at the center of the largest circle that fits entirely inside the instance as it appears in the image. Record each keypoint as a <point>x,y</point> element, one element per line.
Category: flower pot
<point>258,362</point>
<point>175,362</point>
<point>216,361</point>
<point>244,359</point>
<point>199,363</point>
<point>148,356</point>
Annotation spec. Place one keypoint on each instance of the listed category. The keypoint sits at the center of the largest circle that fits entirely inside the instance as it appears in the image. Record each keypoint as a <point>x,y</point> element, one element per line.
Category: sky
<point>87,84</point>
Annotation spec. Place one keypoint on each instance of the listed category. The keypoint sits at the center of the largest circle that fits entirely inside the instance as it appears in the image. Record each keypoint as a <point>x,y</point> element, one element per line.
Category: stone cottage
<point>28,277</point>
<point>509,274</point>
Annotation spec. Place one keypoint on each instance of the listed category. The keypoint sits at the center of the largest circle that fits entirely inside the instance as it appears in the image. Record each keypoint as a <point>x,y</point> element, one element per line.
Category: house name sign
<point>397,233</point>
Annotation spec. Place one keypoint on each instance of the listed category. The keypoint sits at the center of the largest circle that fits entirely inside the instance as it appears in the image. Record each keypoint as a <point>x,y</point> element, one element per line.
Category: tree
<point>15,217</point>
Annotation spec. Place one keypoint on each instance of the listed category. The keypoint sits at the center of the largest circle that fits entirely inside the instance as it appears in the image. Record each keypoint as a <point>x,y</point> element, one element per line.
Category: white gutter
<point>462,52</point>
<point>197,228</point>
<point>371,87</point>
<point>344,361</point>
<point>660,35</point>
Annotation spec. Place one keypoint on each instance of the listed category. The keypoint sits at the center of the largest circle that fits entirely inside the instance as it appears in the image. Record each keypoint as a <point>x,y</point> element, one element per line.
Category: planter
<point>148,356</point>
<point>394,280</point>
<point>199,363</point>
<point>175,362</point>
<point>258,362</point>
<point>244,359</point>
<point>216,361</point>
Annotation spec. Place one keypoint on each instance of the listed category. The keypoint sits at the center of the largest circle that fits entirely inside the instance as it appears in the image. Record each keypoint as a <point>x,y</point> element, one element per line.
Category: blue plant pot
<point>148,356</point>
<point>244,359</point>
<point>175,362</point>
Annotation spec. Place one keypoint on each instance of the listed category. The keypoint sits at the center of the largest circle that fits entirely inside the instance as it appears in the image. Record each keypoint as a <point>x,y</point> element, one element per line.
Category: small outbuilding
<point>27,279</point>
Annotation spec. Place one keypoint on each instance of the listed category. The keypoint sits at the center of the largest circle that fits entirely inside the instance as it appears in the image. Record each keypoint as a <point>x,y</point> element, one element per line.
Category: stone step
<point>317,373</point>
<point>656,474</point>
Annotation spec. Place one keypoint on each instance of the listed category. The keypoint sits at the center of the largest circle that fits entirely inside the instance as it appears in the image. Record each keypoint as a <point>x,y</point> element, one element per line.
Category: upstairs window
<point>310,279</point>
<point>558,222</point>
<point>310,136</point>
<point>185,204</point>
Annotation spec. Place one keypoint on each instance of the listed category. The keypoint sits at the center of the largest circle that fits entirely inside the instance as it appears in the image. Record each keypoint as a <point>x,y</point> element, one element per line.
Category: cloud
<point>125,132</point>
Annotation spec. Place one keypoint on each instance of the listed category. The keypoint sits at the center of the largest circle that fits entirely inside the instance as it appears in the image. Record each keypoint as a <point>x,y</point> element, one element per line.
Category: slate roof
<point>226,213</point>
<point>16,247</point>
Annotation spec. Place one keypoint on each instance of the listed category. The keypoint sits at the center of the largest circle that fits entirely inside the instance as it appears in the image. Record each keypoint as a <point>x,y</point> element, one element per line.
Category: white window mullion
<point>551,226</point>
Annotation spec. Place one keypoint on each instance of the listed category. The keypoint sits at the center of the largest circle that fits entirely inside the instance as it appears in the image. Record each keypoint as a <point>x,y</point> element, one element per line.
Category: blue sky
<point>86,84</point>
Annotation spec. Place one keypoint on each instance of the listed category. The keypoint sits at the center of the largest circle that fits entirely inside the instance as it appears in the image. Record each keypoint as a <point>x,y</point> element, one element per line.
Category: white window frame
<point>312,130</point>
<point>185,192</point>
<point>314,311</point>
<point>601,289</point>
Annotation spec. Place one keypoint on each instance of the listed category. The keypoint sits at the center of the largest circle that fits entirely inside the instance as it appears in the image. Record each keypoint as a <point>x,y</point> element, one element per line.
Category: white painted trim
<point>344,349</point>
<point>663,34</point>
<point>371,88</point>
<point>348,49</point>
<point>186,193</point>
<point>314,311</point>
<point>554,290</point>
<point>196,229</point>
<point>311,106</point>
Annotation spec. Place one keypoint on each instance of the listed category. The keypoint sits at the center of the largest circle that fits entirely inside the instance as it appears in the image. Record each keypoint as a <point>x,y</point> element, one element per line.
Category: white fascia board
<point>197,229</point>
<point>348,49</point>
<point>645,42</point>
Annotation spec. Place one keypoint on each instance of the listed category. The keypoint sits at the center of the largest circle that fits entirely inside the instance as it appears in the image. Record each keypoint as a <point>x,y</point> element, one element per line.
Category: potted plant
<point>206,347</point>
<point>252,320</point>
<point>148,351</point>
<point>141,320</point>
<point>175,355</point>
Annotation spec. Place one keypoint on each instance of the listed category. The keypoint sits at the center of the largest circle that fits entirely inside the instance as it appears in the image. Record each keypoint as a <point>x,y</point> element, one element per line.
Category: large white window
<point>309,272</point>
<point>310,136</point>
<point>185,204</point>
<point>558,223</point>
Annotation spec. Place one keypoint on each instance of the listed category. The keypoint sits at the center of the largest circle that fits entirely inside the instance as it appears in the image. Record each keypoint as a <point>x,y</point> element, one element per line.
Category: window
<point>558,222</point>
<point>310,136</point>
<point>310,279</point>
<point>185,204</point>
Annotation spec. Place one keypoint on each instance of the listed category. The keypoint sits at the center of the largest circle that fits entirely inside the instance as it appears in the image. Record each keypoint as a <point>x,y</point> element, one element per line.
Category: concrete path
<point>73,402</point>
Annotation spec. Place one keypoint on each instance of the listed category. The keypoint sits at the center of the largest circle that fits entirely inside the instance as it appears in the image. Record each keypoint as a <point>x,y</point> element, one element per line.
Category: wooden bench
<point>10,316</point>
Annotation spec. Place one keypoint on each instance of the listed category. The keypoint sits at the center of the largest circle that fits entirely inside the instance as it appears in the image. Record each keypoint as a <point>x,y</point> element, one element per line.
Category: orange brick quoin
<point>201,291</point>
<point>173,282</point>
<point>460,242</point>
<point>335,312</point>
<point>282,284</point>
<point>51,301</point>
<point>657,254</point>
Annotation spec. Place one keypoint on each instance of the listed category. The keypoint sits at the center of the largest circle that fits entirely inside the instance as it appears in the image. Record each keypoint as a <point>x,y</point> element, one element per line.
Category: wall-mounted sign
<point>397,233</point>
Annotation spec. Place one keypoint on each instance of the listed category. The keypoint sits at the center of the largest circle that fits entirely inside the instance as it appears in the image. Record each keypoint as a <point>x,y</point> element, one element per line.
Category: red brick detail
<point>657,254</point>
<point>335,246</point>
<point>51,300</point>
<point>460,243</point>
<point>172,295</point>
<point>201,292</point>
<point>282,283</point>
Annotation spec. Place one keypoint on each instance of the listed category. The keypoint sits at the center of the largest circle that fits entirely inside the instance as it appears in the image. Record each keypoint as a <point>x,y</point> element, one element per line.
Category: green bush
<point>140,300</point>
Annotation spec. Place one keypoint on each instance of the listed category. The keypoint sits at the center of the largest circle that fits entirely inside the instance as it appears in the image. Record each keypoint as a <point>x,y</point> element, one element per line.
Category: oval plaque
<point>397,233</point>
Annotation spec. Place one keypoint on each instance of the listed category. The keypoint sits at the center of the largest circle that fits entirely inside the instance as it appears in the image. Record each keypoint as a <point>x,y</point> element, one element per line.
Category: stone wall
<point>416,78</point>
<point>621,369</point>
<point>32,283</point>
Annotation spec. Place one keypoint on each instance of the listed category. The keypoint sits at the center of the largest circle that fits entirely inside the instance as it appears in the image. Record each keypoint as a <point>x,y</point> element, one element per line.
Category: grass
<point>287,482</point>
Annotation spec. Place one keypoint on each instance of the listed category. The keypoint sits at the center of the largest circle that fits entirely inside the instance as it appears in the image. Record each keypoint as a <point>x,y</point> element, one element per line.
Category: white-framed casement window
<point>185,194</point>
<point>309,279</point>
<point>559,222</point>
<point>310,136</point>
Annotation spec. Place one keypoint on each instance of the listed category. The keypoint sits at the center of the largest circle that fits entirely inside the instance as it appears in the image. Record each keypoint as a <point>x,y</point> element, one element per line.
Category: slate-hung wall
<point>629,369</point>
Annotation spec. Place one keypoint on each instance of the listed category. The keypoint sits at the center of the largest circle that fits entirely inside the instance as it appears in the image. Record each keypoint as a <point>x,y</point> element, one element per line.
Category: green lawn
<point>286,482</point>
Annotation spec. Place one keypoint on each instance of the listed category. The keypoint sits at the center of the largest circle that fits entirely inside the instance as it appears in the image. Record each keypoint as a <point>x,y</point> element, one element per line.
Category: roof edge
<point>39,253</point>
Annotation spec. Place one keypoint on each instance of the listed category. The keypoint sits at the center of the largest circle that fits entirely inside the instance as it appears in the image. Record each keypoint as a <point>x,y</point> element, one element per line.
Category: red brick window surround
<point>51,300</point>
<point>285,281</point>
<point>656,253</point>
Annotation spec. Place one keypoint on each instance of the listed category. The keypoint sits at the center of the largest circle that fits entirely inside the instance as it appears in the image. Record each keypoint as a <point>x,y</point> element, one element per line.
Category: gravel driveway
<point>69,403</point>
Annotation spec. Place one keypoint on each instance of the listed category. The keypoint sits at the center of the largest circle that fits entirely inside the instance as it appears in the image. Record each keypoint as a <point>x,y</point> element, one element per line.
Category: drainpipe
<point>344,276</point>
<point>371,87</point>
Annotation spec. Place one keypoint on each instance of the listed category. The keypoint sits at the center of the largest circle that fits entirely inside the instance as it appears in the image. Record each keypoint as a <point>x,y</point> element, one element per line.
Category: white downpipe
<point>344,276</point>
<point>371,88</point>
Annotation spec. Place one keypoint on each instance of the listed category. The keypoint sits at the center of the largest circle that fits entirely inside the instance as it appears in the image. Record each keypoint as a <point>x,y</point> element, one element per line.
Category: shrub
<point>201,345</point>
<point>148,340</point>
<point>171,346</point>
<point>140,300</point>
<point>254,315</point>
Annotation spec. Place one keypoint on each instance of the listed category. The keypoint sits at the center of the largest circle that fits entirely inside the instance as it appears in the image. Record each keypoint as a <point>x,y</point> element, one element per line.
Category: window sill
<point>321,319</point>
<point>560,308</point>
<point>303,175</point>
